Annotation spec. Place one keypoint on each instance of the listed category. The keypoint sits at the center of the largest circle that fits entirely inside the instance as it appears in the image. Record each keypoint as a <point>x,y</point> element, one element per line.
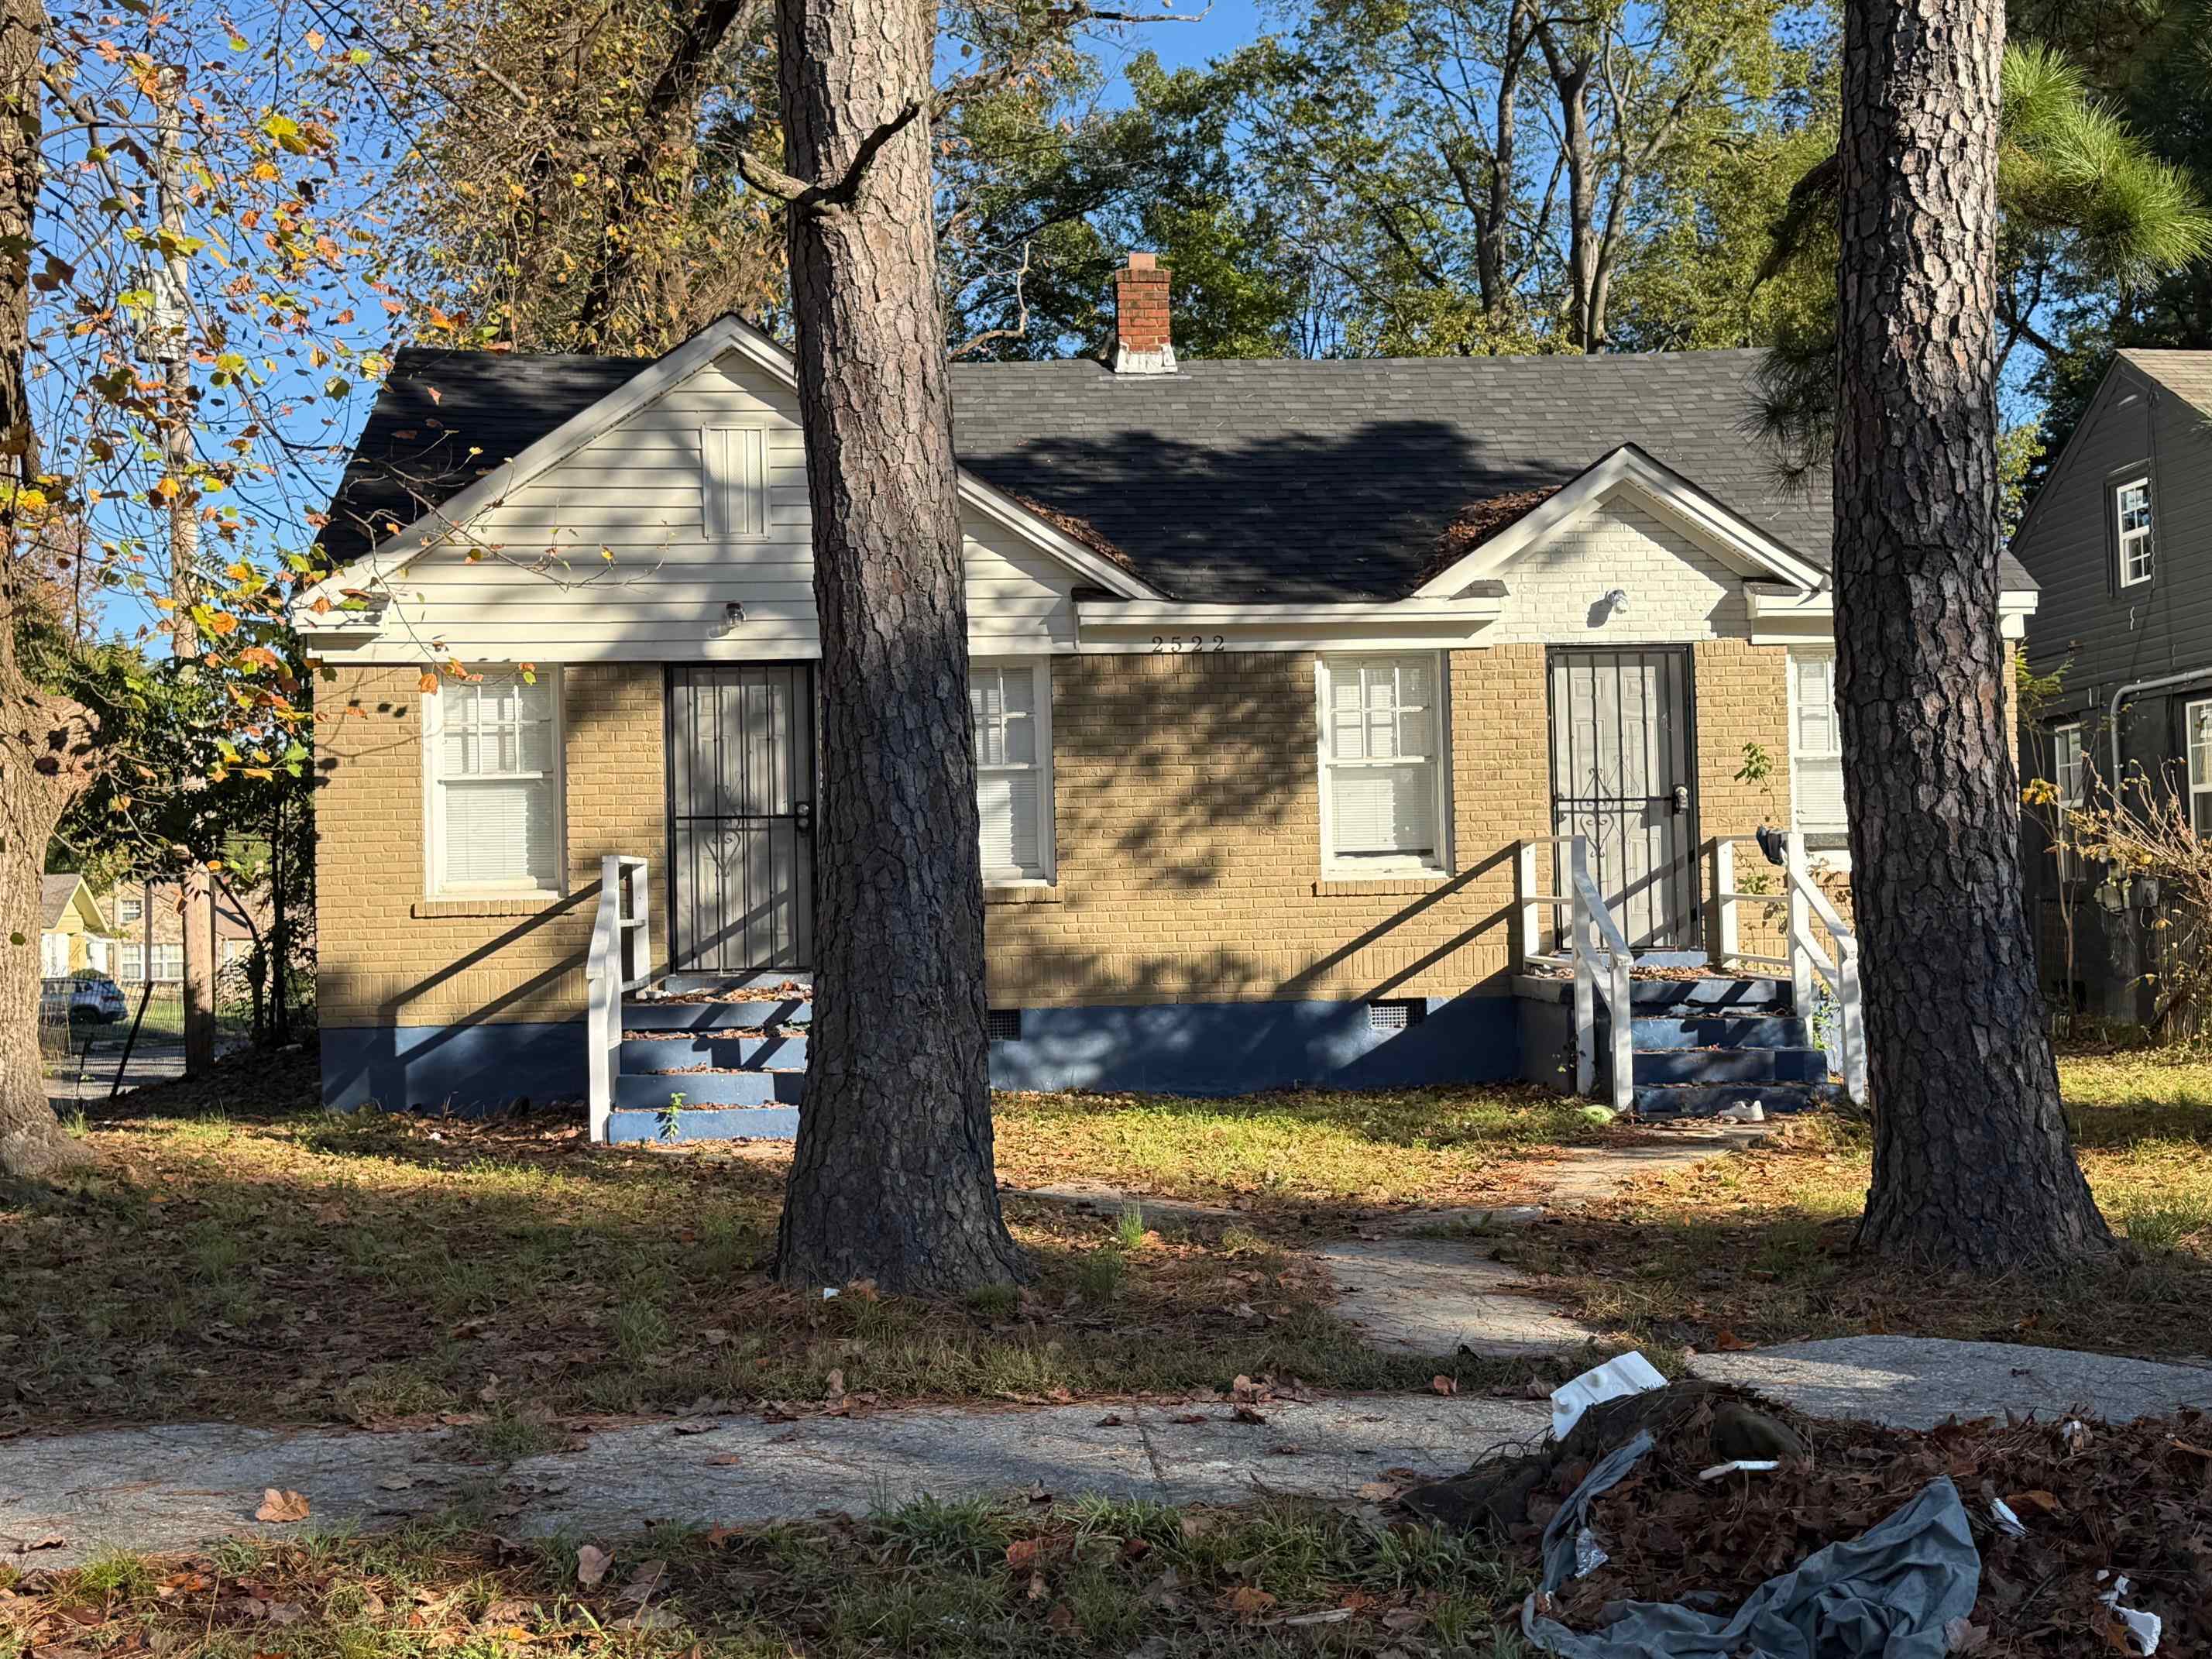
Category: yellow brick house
<point>1290,681</point>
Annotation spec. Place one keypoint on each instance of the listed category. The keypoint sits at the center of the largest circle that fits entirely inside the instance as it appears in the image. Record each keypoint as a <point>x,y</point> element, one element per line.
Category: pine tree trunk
<point>892,1178</point>
<point>46,741</point>
<point>1974,1167</point>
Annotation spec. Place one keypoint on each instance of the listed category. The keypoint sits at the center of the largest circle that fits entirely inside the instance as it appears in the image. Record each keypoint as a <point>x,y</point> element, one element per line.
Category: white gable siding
<point>649,562</point>
<point>1677,591</point>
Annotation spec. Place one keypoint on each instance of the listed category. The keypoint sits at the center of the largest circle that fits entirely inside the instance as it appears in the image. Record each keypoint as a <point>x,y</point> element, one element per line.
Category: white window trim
<point>2198,786</point>
<point>736,497</point>
<point>2069,864</point>
<point>1047,841</point>
<point>2147,536</point>
<point>129,910</point>
<point>1334,868</point>
<point>1797,821</point>
<point>434,885</point>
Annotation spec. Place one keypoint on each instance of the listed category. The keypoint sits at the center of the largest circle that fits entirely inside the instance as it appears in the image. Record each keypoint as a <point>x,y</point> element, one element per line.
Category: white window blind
<point>495,789</point>
<point>1380,778</point>
<point>1009,707</point>
<point>2069,772</point>
<point>1816,744</point>
<point>735,462</point>
<point>2199,720</point>
<point>2132,508</point>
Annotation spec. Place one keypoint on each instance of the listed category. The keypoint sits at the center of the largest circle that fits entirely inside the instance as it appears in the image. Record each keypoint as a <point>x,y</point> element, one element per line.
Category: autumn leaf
<point>429,682</point>
<point>1729,1342</point>
<point>1443,1384</point>
<point>281,1506</point>
<point>592,1564</point>
<point>1022,1554</point>
<point>1249,1601</point>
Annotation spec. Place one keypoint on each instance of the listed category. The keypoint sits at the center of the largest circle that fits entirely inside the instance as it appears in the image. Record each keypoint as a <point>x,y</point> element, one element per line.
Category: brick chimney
<point>1142,339</point>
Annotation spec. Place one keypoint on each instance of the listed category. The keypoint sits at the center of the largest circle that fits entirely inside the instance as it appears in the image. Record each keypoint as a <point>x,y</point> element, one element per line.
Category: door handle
<point>803,814</point>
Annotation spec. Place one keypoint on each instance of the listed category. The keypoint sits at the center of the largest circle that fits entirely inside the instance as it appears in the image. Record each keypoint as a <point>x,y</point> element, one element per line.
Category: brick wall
<point>1676,590</point>
<point>1187,794</point>
<point>1190,848</point>
<point>386,954</point>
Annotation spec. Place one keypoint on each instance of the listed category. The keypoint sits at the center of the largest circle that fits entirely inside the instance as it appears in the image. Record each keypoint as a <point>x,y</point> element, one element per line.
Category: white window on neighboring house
<point>234,950</point>
<point>2069,776</point>
<point>168,961</point>
<point>1382,772</point>
<point>1009,706</point>
<point>2197,720</point>
<point>2131,516</point>
<point>1816,745</point>
<point>53,955</point>
<point>129,910</point>
<point>131,964</point>
<point>492,772</point>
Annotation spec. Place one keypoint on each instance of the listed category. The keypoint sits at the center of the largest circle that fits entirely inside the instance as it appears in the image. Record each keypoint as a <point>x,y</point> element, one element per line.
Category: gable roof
<point>2187,374</point>
<point>1227,482</point>
<point>56,892</point>
<point>1739,544</point>
<point>463,476</point>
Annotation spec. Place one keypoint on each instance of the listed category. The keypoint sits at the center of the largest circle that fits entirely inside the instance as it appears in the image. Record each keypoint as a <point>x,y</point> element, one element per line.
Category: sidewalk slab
<point>1436,1295</point>
<point>188,1485</point>
<point>1916,1382</point>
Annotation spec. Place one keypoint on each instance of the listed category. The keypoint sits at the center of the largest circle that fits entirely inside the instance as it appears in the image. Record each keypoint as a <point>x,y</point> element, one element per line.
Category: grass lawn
<point>261,1259</point>
<point>1085,1577</point>
<point>1756,1249</point>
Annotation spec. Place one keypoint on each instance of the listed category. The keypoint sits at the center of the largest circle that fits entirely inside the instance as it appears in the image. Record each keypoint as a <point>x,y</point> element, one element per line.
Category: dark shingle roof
<point>1232,481</point>
<point>2187,374</point>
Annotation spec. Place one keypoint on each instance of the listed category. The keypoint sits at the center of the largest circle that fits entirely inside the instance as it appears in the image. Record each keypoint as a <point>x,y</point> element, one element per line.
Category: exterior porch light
<point>1616,602</point>
<point>732,614</point>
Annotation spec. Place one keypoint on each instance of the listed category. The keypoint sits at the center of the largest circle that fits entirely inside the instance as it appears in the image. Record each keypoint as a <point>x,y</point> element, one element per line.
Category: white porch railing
<point>620,962</point>
<point>1595,946</point>
<point>1807,904</point>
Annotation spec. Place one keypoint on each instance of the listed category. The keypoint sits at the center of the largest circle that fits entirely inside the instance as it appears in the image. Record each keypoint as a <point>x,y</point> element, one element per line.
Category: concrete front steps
<point>711,1071</point>
<point>1701,1046</point>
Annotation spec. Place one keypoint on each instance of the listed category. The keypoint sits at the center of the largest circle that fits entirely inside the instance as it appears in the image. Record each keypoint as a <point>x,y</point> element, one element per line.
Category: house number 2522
<point>1174,642</point>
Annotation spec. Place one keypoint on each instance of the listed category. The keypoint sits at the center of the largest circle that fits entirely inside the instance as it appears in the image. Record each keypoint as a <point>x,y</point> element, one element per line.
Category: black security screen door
<point>741,819</point>
<point>1621,776</point>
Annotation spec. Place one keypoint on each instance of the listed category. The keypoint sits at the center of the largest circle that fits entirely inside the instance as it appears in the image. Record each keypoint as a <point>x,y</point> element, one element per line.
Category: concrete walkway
<point>64,1497</point>
<point>189,1485</point>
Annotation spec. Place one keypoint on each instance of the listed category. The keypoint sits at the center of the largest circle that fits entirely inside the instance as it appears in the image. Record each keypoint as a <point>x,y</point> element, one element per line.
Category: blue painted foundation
<point>469,1070</point>
<point>1204,1048</point>
<point>1242,1048</point>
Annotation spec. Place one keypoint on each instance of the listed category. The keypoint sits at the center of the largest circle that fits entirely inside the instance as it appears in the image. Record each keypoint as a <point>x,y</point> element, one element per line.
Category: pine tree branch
<point>797,192</point>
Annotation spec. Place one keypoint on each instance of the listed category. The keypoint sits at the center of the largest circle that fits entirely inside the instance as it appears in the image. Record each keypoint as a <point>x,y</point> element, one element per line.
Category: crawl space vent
<point>1395,1016</point>
<point>1003,1024</point>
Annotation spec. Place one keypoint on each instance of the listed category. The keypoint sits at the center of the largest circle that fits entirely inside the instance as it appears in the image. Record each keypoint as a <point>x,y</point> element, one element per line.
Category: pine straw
<point>2133,1500</point>
<point>1477,522</point>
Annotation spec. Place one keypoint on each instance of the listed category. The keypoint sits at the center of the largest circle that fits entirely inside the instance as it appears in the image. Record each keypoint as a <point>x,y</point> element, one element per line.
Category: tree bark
<point>46,751</point>
<point>1570,67</point>
<point>1974,1167</point>
<point>892,1178</point>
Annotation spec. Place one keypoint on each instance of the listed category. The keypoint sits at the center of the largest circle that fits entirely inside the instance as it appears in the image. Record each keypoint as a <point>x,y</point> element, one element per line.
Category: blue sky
<point>1228,25</point>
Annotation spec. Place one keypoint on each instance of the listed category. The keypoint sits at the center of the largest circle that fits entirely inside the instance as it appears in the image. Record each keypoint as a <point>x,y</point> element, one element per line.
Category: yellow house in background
<point>73,932</point>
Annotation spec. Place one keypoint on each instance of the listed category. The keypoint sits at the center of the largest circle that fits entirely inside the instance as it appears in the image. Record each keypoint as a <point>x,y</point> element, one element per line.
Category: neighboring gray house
<point>2119,539</point>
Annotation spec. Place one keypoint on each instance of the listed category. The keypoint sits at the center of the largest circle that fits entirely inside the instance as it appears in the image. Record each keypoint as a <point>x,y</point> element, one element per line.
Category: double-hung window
<point>1009,707</point>
<point>2197,718</point>
<point>2070,775</point>
<point>2132,520</point>
<point>129,910</point>
<point>493,744</point>
<point>131,964</point>
<point>168,961</point>
<point>1816,744</point>
<point>1381,771</point>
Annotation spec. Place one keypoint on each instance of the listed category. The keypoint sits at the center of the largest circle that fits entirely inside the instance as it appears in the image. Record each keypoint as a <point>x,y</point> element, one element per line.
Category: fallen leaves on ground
<point>2117,1499</point>
<point>281,1506</point>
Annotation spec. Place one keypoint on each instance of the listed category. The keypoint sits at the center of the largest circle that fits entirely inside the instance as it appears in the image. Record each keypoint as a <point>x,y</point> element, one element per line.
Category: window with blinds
<point>1816,744</point>
<point>494,747</point>
<point>1382,782</point>
<point>1009,706</point>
